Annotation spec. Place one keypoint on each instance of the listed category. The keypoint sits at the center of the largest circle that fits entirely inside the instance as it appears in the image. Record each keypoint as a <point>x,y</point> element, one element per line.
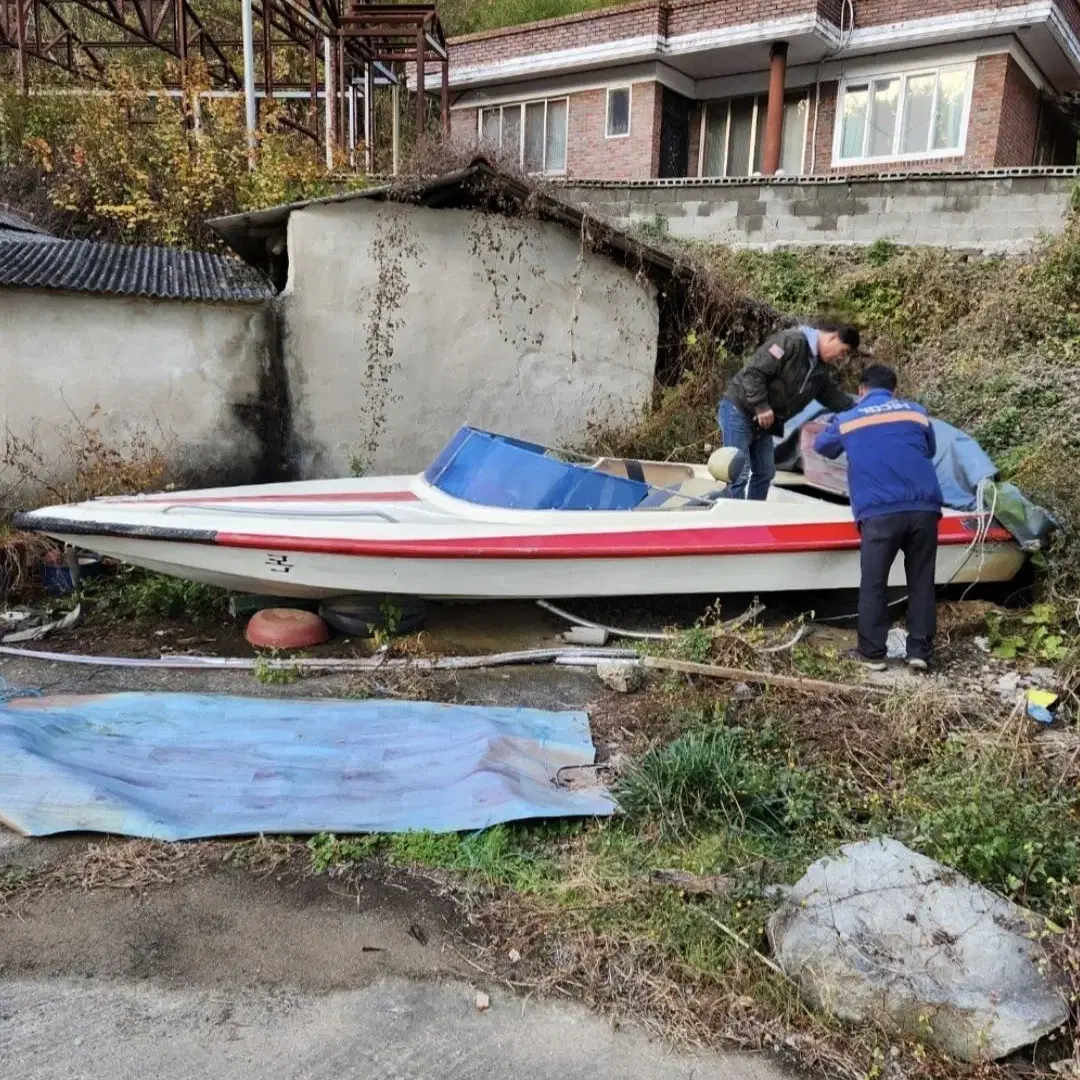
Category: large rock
<point>881,934</point>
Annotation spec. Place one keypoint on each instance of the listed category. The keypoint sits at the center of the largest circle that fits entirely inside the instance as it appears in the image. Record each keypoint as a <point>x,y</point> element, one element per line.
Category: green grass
<point>472,16</point>
<point>141,594</point>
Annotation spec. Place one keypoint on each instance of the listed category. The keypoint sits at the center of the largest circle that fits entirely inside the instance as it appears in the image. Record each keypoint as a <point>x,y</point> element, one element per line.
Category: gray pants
<point>914,532</point>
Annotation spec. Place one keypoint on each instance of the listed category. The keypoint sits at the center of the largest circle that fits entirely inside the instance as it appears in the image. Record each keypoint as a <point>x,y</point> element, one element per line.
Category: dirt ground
<point>245,972</point>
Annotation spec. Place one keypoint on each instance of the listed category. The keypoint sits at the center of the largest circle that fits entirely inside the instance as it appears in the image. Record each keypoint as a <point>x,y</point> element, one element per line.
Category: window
<point>734,134</point>
<point>917,115</point>
<point>618,112</point>
<point>534,132</point>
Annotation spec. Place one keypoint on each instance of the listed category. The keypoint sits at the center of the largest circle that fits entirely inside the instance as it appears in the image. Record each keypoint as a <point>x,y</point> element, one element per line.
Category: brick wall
<point>1001,130</point>
<point>591,154</point>
<point>550,35</point>
<point>1019,126</point>
<point>673,18</point>
<point>678,17</point>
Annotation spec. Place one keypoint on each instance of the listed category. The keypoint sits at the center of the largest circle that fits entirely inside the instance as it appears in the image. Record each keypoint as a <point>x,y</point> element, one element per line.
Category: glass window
<point>716,129</point>
<point>555,138</point>
<point>793,137</point>
<point>539,146</point>
<point>735,135</point>
<point>952,96</point>
<point>489,127</point>
<point>853,121</point>
<point>884,99</point>
<point>740,138</point>
<point>533,160</point>
<point>918,111</point>
<point>900,116</point>
<point>511,129</point>
<point>618,112</point>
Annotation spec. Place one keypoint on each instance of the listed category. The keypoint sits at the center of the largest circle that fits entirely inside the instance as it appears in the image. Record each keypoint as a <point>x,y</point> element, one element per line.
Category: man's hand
<point>765,418</point>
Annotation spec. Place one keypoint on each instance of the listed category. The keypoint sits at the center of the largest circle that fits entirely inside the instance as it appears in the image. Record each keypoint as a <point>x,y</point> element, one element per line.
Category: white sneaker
<point>917,664</point>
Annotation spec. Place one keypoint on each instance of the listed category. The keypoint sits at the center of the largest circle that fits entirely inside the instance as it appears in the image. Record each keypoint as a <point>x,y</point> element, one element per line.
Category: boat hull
<point>312,574</point>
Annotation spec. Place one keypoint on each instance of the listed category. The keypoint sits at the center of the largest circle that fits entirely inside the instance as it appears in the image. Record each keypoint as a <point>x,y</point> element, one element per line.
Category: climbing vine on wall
<point>393,248</point>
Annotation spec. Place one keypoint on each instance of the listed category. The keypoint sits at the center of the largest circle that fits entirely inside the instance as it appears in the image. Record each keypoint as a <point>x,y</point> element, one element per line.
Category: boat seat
<point>688,493</point>
<point>727,464</point>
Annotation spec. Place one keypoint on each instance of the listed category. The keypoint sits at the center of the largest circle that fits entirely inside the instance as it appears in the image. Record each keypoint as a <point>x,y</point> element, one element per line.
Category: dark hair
<point>847,333</point>
<point>878,377</point>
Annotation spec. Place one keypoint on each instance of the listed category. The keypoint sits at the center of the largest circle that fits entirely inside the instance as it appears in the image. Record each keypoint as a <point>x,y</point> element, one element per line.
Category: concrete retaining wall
<point>996,213</point>
<point>400,323</point>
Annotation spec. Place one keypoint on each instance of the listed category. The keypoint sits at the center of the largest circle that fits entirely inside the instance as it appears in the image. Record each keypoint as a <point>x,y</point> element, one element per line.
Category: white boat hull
<point>398,535</point>
<point>322,576</point>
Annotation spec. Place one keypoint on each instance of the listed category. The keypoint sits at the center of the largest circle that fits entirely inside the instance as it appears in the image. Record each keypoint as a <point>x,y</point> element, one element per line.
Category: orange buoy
<point>286,628</point>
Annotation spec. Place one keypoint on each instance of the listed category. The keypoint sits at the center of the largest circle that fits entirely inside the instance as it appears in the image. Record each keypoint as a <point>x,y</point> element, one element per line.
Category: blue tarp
<point>495,470</point>
<point>182,766</point>
<point>961,465</point>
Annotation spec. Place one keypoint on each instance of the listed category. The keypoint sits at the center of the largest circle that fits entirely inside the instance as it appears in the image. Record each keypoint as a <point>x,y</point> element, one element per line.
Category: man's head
<point>836,341</point>
<point>877,377</point>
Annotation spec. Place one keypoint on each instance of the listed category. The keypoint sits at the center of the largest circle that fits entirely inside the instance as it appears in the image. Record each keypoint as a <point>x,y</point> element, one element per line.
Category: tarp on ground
<point>182,766</point>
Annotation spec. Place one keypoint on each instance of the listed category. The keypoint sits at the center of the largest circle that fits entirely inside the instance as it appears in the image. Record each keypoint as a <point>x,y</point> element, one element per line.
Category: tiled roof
<point>12,219</point>
<point>37,261</point>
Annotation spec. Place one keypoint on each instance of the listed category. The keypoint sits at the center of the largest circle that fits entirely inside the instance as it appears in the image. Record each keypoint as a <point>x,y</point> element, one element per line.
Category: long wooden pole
<point>761,678</point>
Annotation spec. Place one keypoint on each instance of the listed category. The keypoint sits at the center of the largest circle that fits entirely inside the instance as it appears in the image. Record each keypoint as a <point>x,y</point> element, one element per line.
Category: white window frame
<point>520,106</point>
<point>629,88</point>
<point>761,105</point>
<point>904,76</point>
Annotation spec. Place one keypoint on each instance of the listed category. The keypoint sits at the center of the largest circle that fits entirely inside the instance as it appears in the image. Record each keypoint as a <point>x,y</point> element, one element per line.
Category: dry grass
<point>130,865</point>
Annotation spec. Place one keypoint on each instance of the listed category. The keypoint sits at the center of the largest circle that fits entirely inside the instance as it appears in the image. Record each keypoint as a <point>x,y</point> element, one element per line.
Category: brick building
<point>666,88</point>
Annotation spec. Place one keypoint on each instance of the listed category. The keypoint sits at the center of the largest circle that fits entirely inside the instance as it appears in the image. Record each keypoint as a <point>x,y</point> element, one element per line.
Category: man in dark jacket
<point>789,371</point>
<point>896,500</point>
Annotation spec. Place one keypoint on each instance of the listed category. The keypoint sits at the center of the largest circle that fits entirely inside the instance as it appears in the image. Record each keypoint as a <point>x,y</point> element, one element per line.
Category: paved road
<point>391,1029</point>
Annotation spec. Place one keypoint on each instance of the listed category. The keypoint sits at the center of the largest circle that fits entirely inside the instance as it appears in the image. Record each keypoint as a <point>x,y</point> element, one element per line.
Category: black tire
<point>362,615</point>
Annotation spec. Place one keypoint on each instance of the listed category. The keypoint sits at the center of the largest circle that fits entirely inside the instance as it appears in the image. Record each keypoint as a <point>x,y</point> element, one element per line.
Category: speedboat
<point>497,517</point>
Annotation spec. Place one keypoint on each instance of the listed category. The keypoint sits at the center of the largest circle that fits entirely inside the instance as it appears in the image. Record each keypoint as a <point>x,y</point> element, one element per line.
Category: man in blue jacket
<point>896,500</point>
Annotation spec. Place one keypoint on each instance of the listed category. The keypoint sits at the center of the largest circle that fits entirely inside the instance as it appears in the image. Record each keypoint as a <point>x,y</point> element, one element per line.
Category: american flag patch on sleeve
<point>776,352</point>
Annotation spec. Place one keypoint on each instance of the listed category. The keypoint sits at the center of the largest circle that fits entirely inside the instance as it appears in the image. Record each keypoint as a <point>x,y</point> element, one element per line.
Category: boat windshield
<point>496,470</point>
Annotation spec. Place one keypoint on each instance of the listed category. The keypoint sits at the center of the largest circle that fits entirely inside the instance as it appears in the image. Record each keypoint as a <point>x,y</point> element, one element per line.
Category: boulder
<point>621,676</point>
<point>880,934</point>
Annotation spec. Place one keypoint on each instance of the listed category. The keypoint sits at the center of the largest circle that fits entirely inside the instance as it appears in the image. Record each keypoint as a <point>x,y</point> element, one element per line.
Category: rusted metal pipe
<point>774,116</point>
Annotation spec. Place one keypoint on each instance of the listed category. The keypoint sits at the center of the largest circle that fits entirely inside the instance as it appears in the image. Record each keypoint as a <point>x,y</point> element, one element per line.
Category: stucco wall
<point>992,213</point>
<point>400,323</point>
<point>165,372</point>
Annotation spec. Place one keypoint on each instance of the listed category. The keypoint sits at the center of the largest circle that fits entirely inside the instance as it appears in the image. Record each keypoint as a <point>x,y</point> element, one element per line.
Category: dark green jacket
<point>785,377</point>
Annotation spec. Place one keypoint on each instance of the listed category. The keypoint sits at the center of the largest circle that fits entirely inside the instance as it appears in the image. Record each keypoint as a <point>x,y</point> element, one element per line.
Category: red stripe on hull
<point>653,543</point>
<point>329,497</point>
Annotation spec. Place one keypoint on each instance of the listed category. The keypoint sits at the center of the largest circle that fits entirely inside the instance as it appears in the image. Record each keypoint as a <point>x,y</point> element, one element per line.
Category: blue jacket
<point>890,448</point>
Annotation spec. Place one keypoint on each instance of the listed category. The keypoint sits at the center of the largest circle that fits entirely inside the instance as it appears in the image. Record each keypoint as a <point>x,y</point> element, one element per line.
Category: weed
<point>326,850</point>
<point>823,663</point>
<point>359,463</point>
<point>496,856</point>
<point>1036,635</point>
<point>12,879</point>
<point>270,672</point>
<point>1009,829</point>
<point>881,252</point>
<point>141,594</point>
<point>715,776</point>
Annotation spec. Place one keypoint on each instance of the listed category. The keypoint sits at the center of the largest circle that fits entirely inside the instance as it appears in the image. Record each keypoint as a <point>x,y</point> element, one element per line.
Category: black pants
<point>883,538</point>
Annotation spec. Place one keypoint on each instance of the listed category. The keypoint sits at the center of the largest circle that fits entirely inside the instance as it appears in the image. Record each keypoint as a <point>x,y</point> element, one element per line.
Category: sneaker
<point>866,662</point>
<point>916,663</point>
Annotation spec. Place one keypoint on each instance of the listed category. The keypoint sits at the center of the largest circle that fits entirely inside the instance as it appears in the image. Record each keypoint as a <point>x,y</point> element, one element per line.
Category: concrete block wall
<point>1005,212</point>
